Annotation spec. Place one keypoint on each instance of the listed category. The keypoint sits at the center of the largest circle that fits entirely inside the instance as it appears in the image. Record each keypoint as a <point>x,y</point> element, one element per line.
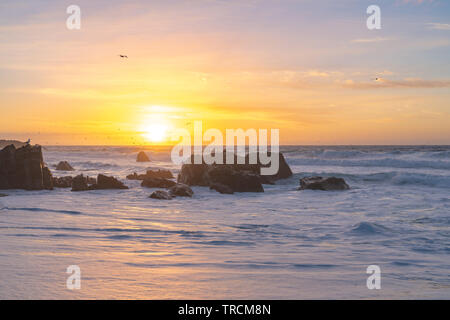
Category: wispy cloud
<point>404,83</point>
<point>370,40</point>
<point>439,26</point>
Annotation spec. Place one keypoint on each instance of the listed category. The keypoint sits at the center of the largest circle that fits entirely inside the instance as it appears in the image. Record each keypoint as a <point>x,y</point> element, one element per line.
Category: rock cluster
<point>82,183</point>
<point>166,174</point>
<point>229,178</point>
<point>24,168</point>
<point>66,182</point>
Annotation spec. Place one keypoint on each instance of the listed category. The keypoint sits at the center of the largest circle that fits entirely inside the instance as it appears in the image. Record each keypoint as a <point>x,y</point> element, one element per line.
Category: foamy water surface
<point>280,244</point>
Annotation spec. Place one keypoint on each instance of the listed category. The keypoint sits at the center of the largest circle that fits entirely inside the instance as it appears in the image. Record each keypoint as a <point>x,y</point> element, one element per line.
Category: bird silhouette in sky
<point>123,56</point>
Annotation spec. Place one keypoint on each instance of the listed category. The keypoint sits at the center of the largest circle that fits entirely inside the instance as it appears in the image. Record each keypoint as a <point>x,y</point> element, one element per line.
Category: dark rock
<point>194,174</point>
<point>47,178</point>
<point>66,182</point>
<point>161,194</point>
<point>157,183</point>
<point>62,182</point>
<point>3,195</point>
<point>166,174</point>
<point>29,165</point>
<point>136,176</point>
<point>244,177</point>
<point>79,183</point>
<point>64,166</point>
<point>325,184</point>
<point>237,181</point>
<point>91,180</point>
<point>284,171</point>
<point>142,157</point>
<point>105,182</point>
<point>23,168</point>
<point>8,168</point>
<point>181,190</point>
<point>221,188</point>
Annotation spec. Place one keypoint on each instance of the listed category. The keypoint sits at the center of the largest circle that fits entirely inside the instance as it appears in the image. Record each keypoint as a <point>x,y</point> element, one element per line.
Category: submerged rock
<point>3,195</point>
<point>142,157</point>
<point>157,183</point>
<point>181,190</point>
<point>166,174</point>
<point>161,195</point>
<point>325,184</point>
<point>24,168</point>
<point>64,166</point>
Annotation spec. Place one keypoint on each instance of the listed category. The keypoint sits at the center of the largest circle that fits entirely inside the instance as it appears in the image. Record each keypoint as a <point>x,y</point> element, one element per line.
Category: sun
<point>155,132</point>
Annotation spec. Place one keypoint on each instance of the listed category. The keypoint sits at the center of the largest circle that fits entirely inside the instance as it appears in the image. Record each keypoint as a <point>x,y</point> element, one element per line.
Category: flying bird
<point>123,56</point>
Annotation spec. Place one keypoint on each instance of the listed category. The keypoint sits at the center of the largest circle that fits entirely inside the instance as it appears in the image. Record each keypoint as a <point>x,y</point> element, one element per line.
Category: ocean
<point>280,244</point>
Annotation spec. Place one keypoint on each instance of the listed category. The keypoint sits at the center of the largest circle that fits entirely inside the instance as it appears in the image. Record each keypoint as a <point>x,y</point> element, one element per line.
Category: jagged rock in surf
<point>324,184</point>
<point>181,190</point>
<point>64,166</point>
<point>161,195</point>
<point>142,157</point>
<point>105,182</point>
<point>80,183</point>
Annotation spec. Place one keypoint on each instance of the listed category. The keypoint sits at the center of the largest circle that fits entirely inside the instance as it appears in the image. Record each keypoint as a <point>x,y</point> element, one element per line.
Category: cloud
<point>315,73</point>
<point>439,26</point>
<point>370,40</point>
<point>404,83</point>
<point>416,1</point>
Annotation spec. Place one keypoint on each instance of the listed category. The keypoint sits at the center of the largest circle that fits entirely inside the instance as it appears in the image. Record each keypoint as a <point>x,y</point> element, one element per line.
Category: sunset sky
<point>306,67</point>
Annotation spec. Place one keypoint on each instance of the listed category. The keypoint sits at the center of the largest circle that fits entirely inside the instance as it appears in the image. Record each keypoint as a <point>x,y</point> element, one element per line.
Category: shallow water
<point>280,244</point>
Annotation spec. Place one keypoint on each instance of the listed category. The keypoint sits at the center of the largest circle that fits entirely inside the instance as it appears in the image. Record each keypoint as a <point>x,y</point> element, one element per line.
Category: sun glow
<point>155,132</point>
<point>156,123</point>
